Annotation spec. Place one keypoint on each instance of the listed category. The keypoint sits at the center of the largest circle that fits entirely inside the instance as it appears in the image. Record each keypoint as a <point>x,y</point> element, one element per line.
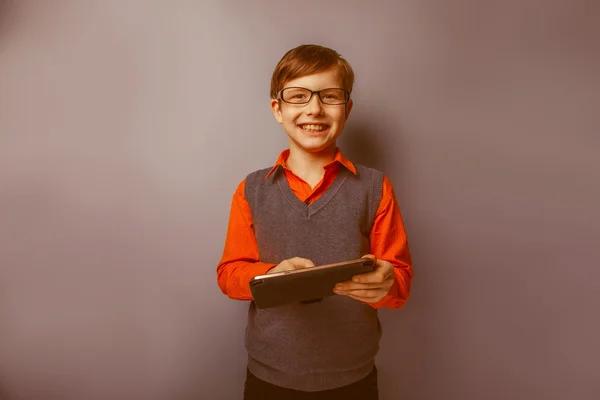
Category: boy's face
<point>313,127</point>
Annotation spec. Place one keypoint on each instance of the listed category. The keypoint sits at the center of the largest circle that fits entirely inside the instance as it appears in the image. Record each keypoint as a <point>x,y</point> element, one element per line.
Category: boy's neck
<point>309,166</point>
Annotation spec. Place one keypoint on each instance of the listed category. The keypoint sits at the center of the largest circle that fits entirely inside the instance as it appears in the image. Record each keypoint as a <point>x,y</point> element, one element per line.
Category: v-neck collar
<point>308,210</point>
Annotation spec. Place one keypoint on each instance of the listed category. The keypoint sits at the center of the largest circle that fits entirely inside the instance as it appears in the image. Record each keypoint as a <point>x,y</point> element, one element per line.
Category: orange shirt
<point>240,263</point>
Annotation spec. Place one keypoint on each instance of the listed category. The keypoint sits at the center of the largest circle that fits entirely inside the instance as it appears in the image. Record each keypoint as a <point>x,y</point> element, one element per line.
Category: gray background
<point>125,127</point>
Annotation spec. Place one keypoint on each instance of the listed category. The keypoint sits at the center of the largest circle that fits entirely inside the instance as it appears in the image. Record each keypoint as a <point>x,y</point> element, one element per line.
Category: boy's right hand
<point>291,264</point>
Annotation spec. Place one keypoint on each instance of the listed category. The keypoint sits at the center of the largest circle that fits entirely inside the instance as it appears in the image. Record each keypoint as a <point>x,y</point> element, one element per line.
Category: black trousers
<point>365,389</point>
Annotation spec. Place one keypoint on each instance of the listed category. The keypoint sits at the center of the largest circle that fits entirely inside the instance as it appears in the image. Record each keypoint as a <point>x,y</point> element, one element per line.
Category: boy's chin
<point>314,148</point>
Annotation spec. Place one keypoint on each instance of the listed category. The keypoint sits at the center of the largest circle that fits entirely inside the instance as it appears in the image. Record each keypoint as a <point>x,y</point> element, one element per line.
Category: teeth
<point>314,127</point>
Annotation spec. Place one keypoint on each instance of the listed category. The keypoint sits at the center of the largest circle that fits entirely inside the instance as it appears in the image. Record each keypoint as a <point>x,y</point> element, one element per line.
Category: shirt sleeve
<point>239,263</point>
<point>389,243</point>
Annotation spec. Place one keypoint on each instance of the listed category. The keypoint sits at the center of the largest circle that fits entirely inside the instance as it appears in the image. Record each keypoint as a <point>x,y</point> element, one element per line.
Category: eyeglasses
<point>298,95</point>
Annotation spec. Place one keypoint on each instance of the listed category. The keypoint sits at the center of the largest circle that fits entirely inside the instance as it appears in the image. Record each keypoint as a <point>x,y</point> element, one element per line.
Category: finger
<point>377,276</point>
<point>347,286</point>
<point>371,257</point>
<point>373,300</point>
<point>367,297</point>
<point>367,292</point>
<point>385,287</point>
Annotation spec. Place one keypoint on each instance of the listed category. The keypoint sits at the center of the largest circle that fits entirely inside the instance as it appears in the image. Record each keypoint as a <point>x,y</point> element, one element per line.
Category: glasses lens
<point>295,95</point>
<point>334,96</point>
<point>302,96</point>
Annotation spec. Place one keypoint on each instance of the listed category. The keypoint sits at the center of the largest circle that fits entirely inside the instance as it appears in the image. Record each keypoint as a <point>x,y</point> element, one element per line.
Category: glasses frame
<point>312,93</point>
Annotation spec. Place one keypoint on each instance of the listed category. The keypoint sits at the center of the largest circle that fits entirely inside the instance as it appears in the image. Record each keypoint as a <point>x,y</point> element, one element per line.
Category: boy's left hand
<point>371,286</point>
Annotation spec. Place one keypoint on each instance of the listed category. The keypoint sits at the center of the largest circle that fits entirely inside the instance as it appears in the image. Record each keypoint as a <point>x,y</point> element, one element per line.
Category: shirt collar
<point>339,159</point>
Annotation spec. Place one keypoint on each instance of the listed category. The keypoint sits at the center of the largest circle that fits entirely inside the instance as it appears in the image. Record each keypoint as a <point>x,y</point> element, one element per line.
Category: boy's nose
<point>314,106</point>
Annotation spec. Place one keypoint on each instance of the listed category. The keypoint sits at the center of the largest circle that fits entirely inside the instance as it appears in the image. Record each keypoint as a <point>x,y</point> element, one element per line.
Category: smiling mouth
<point>313,127</point>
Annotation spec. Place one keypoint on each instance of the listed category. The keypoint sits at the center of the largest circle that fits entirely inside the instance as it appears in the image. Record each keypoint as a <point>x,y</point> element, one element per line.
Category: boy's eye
<point>333,95</point>
<point>296,95</point>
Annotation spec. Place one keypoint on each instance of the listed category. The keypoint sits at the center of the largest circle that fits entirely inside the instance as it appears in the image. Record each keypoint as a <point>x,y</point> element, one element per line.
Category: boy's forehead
<point>319,80</point>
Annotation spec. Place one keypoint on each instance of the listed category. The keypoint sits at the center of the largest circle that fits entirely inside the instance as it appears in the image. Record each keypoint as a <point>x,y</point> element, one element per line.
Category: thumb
<point>371,257</point>
<point>299,262</point>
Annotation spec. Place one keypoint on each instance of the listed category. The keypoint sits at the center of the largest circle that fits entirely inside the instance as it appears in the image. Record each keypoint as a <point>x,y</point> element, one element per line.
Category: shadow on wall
<point>373,143</point>
<point>3,393</point>
<point>6,13</point>
<point>361,143</point>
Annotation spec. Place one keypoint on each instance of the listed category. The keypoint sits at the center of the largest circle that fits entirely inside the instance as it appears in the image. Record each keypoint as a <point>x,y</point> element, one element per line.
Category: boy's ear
<point>348,108</point>
<point>276,107</point>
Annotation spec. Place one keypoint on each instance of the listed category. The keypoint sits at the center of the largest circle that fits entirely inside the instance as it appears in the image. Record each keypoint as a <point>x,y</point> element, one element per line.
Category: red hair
<point>308,59</point>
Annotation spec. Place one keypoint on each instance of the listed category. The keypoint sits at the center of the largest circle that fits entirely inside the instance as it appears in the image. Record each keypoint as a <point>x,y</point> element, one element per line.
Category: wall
<point>125,127</point>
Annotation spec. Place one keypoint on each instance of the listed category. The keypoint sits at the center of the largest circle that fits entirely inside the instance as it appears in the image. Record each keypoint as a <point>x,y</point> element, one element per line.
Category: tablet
<point>305,285</point>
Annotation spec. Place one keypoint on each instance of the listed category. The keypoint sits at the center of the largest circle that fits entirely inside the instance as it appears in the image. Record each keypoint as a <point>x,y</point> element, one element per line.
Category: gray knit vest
<point>333,342</point>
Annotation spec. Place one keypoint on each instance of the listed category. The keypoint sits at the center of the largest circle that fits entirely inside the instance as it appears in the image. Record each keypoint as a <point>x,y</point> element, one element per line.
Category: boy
<point>315,207</point>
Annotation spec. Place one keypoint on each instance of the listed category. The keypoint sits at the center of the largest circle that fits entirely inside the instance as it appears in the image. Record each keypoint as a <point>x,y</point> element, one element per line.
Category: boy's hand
<point>291,264</point>
<point>371,286</point>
